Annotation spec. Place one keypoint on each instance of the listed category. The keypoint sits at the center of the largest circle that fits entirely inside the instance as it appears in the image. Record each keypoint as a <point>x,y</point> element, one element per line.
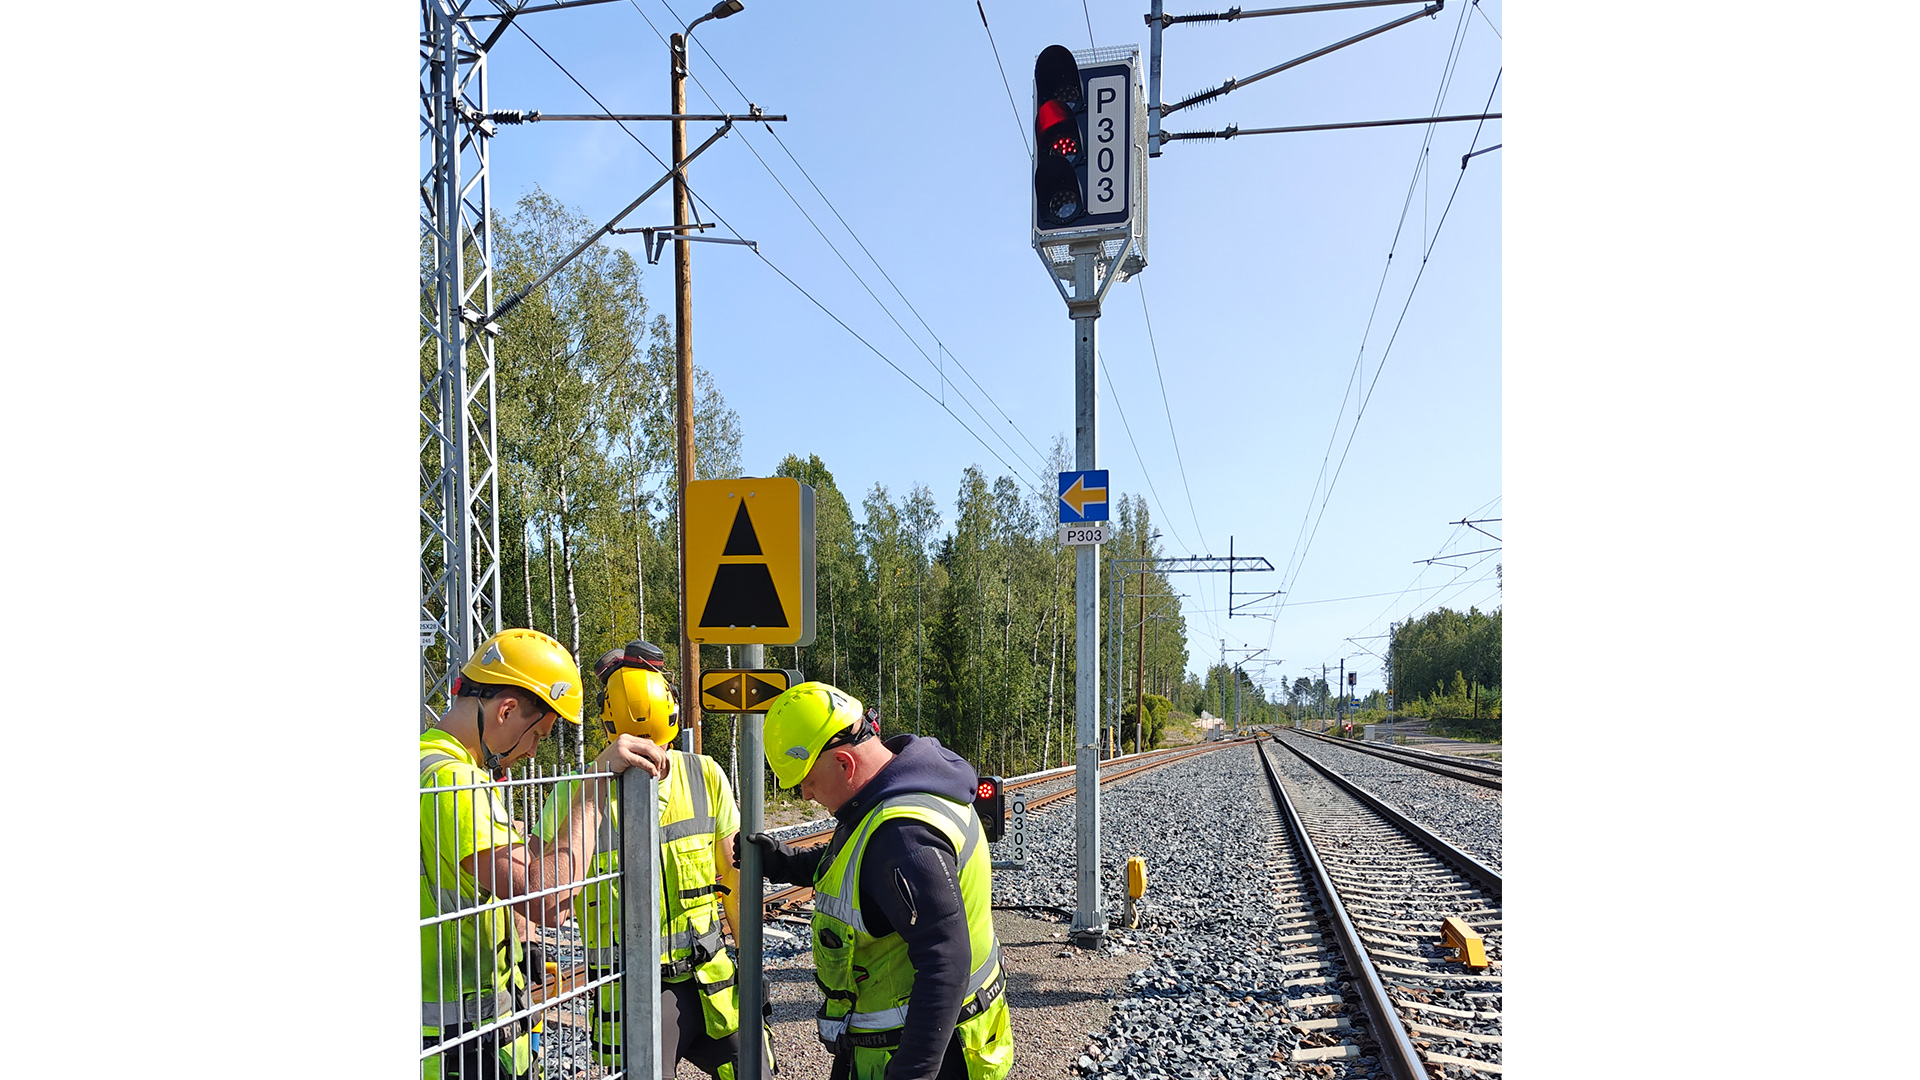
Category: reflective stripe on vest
<point>609,956</point>
<point>471,1011</point>
<point>836,899</point>
<point>840,905</point>
<point>897,1017</point>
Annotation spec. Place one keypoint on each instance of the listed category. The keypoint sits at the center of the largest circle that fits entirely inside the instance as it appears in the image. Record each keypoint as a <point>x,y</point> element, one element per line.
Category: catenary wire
<point>1296,565</point>
<point>1018,124</point>
<point>856,239</point>
<point>1302,540</point>
<point>770,264</point>
<point>1128,428</point>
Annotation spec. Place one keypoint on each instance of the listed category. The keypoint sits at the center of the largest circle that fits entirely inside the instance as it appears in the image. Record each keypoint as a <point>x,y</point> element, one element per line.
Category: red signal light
<point>990,802</point>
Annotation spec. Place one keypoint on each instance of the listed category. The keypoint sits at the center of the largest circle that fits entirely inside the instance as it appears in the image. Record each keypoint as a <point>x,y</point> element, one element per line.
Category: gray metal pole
<point>1153,79</point>
<point>752,792</point>
<point>1089,920</point>
<point>640,923</point>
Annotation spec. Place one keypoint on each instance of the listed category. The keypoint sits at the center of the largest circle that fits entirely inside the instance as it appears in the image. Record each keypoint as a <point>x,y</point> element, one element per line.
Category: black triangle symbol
<point>742,541</point>
<point>759,690</point>
<point>743,595</point>
<point>728,690</point>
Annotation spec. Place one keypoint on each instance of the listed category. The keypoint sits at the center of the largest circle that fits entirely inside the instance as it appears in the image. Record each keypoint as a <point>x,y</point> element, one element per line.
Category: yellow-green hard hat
<point>800,723</point>
<point>532,661</point>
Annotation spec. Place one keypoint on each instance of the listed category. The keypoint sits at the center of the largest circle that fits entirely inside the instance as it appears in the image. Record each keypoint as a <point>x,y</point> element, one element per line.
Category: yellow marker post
<point>1136,888</point>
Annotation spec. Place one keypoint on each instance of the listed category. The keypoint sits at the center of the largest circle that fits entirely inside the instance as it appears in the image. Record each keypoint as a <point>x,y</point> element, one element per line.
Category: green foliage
<point>1154,734</point>
<point>1427,652</point>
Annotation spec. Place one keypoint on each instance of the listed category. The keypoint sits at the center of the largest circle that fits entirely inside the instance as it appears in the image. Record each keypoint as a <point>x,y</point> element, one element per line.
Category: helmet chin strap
<point>489,757</point>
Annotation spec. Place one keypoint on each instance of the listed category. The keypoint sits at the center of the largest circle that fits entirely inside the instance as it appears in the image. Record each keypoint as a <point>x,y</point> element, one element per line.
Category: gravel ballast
<point>1465,815</point>
<point>1197,989</point>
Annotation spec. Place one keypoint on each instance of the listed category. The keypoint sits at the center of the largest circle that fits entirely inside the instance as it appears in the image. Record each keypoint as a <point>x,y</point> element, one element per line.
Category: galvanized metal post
<point>640,924</point>
<point>1089,920</point>
<point>1153,79</point>
<point>753,901</point>
<point>459,492</point>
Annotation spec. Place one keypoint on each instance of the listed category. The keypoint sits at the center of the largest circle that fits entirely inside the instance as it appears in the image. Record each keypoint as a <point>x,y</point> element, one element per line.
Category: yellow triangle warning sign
<point>750,561</point>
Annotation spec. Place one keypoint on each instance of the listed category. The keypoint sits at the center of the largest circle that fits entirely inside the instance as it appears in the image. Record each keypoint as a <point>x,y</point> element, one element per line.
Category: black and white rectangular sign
<point>1109,132</point>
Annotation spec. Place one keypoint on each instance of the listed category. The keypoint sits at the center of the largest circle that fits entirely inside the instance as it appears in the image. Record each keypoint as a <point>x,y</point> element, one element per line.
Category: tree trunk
<point>567,562</point>
<point>526,565</point>
<point>553,583</point>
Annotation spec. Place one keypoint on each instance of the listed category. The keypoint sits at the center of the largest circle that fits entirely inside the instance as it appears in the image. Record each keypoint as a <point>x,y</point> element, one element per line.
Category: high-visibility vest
<point>868,980</point>
<point>691,946</point>
<point>470,973</point>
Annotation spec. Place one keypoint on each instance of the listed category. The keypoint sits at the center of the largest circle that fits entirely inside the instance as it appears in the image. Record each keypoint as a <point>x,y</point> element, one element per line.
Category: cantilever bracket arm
<point>1234,84</point>
<point>514,300</point>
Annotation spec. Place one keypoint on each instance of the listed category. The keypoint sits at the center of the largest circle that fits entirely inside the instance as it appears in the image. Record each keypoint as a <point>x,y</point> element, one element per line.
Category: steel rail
<point>786,903</point>
<point>1478,872</point>
<point>1390,1036</point>
<point>1477,772</point>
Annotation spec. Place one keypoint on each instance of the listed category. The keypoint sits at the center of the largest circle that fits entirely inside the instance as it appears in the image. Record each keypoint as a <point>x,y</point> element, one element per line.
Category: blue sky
<point>1268,259</point>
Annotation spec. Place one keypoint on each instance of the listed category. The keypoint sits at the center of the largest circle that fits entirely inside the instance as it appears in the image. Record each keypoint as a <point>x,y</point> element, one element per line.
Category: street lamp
<point>720,11</point>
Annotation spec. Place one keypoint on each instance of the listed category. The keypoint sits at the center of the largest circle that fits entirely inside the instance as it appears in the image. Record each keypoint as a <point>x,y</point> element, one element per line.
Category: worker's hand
<point>626,750</point>
<point>775,857</point>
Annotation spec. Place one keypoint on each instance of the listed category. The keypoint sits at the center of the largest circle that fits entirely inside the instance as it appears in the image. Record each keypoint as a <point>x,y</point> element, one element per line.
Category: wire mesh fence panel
<point>509,868</point>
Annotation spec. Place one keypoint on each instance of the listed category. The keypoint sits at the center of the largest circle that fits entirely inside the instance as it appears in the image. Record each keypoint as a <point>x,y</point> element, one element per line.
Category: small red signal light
<point>990,802</point>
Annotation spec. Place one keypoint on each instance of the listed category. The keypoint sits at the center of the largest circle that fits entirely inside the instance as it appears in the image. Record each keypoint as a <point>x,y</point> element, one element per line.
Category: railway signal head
<point>990,802</point>
<point>1059,141</point>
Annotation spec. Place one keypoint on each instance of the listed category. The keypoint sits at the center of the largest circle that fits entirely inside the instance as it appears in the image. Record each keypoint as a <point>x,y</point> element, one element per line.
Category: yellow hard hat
<point>639,701</point>
<point>532,661</point>
<point>800,724</point>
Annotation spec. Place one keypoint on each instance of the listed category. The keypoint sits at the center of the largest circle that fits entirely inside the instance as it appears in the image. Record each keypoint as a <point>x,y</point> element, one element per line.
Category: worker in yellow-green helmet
<point>904,948</point>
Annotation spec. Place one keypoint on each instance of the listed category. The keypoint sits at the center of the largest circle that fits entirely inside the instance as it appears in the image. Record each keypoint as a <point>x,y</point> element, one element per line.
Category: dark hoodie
<point>910,885</point>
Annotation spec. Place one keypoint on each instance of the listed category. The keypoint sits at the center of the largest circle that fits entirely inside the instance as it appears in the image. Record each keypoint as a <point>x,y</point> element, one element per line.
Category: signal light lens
<point>987,789</point>
<point>1059,134</point>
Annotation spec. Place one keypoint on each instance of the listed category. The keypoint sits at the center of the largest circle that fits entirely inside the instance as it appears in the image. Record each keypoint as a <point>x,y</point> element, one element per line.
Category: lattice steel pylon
<point>459,478</point>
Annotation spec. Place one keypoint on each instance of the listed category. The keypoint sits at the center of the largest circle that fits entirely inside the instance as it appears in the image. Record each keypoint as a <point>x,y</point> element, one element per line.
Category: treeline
<point>1447,664</point>
<point>956,621</point>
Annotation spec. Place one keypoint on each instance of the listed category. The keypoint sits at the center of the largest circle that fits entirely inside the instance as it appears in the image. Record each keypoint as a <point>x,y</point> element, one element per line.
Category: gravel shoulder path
<point>1058,994</point>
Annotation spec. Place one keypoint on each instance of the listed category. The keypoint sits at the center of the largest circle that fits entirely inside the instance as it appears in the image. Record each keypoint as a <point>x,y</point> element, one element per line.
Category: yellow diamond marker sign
<point>750,562</point>
<point>745,690</point>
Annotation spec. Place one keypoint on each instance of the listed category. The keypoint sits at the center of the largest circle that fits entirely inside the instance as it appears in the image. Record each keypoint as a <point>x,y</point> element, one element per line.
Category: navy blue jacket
<point>910,885</point>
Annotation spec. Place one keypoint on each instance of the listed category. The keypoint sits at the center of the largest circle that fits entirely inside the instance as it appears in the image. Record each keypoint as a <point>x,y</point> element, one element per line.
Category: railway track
<point>1045,789</point>
<point>1484,773</point>
<point>1388,887</point>
<point>795,902</point>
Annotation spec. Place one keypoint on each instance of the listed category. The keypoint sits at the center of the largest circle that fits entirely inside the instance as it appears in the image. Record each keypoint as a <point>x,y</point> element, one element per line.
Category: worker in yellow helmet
<point>699,1010</point>
<point>474,861</point>
<point>903,941</point>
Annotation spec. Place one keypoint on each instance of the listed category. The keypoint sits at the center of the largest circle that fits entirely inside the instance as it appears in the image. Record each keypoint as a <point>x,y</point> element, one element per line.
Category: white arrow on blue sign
<point>1083,496</point>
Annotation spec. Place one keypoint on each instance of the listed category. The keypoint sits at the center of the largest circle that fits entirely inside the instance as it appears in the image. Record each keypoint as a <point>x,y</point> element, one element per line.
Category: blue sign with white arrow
<point>1083,496</point>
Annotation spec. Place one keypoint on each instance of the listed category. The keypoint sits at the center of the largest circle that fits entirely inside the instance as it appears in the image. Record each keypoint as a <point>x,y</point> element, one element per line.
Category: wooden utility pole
<point>683,385</point>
